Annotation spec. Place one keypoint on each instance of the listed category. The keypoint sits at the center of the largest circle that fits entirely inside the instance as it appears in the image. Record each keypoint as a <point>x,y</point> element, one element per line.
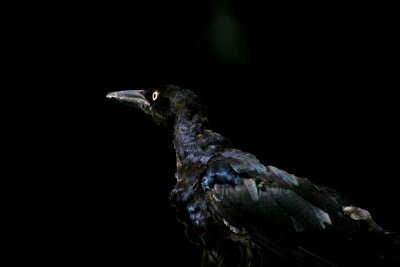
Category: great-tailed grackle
<point>243,213</point>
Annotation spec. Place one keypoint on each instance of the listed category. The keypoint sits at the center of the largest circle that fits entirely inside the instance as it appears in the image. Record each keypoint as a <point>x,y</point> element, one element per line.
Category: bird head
<point>165,103</point>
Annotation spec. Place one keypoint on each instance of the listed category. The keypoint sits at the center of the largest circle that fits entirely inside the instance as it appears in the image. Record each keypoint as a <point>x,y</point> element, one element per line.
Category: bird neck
<point>193,142</point>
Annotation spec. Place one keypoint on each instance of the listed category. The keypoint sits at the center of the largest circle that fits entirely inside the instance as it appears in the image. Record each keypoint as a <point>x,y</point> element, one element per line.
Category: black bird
<point>242,213</point>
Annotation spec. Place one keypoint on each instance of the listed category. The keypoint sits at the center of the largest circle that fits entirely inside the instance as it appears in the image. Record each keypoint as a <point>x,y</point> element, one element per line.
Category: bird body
<point>243,213</point>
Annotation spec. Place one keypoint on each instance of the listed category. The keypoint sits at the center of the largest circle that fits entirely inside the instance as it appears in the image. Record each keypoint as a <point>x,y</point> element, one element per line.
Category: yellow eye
<point>155,95</point>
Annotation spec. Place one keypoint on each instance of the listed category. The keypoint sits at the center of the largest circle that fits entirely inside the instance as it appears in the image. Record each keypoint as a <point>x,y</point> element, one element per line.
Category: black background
<point>309,89</point>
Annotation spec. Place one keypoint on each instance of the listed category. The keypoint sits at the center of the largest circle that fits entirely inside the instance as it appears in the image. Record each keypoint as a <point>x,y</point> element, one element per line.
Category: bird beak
<point>132,98</point>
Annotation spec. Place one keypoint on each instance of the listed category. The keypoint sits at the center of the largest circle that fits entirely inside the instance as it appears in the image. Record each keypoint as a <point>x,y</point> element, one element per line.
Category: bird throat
<point>193,142</point>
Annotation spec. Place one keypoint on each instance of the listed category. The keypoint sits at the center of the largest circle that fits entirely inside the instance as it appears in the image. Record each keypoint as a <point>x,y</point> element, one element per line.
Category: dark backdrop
<point>307,89</point>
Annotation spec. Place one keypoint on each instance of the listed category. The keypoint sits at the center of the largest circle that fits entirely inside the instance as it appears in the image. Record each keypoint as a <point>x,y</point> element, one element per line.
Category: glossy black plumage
<point>243,213</point>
